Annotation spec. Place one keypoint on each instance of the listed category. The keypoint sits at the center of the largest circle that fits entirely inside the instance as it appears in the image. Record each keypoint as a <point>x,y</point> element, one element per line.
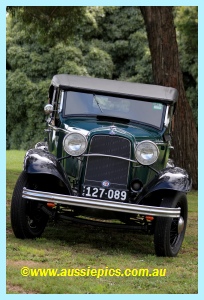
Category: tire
<point>27,219</point>
<point>167,239</point>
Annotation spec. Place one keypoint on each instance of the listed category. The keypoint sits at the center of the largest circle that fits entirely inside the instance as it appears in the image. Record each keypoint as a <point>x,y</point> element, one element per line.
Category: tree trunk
<point>167,72</point>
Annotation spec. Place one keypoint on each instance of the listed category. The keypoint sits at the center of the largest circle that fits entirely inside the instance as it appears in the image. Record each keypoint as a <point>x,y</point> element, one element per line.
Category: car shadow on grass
<point>108,240</point>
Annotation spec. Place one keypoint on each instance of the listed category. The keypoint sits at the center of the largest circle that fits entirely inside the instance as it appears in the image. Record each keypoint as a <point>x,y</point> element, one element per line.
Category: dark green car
<point>105,156</point>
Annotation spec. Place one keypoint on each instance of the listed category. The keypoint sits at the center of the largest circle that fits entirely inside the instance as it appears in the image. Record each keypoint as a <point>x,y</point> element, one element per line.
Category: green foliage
<point>124,38</point>
<point>31,67</point>
<point>50,22</point>
<point>105,42</point>
<point>24,122</point>
<point>99,63</point>
<point>67,59</point>
<point>186,21</point>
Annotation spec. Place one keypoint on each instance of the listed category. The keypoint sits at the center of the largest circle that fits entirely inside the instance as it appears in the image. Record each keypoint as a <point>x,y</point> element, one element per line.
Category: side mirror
<point>48,109</point>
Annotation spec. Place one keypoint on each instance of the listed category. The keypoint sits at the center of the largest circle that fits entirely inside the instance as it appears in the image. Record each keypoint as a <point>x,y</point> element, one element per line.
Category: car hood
<point>139,131</point>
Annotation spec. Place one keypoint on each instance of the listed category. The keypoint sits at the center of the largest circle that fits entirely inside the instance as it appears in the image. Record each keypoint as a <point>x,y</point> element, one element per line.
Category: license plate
<point>101,193</point>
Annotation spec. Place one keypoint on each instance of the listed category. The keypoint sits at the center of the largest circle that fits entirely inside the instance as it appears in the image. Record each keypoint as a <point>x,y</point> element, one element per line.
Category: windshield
<point>77,103</point>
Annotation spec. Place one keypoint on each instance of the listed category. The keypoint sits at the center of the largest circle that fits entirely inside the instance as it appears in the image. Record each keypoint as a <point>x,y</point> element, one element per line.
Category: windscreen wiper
<point>94,96</point>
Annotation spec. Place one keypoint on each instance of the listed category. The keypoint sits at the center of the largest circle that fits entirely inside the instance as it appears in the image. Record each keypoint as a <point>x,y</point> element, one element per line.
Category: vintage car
<point>105,162</point>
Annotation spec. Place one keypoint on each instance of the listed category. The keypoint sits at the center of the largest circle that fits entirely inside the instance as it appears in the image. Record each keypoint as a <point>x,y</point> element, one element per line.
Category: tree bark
<point>167,72</point>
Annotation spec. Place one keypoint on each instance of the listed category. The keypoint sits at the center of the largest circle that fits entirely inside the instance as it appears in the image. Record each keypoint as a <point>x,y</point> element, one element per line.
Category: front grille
<point>110,169</point>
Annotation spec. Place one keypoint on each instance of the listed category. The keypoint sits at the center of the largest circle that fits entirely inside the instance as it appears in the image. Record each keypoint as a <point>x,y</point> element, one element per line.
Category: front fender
<point>39,161</point>
<point>173,178</point>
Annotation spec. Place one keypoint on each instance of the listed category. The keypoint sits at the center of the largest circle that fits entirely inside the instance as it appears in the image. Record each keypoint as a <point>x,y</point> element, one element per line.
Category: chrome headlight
<point>75,143</point>
<point>146,153</point>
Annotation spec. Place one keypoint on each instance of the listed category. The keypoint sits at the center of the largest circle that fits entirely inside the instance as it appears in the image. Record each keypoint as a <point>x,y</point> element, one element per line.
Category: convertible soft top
<point>114,87</point>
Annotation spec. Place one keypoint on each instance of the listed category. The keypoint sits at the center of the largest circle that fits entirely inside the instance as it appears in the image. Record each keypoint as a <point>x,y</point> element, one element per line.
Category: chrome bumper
<point>101,204</point>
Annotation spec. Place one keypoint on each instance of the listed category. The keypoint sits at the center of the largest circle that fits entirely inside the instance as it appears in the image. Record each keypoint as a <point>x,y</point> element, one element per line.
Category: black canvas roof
<point>115,87</point>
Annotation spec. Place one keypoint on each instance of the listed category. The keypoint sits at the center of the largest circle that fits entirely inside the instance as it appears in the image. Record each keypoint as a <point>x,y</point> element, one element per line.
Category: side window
<point>60,101</point>
<point>53,100</point>
<point>50,94</point>
<point>57,104</point>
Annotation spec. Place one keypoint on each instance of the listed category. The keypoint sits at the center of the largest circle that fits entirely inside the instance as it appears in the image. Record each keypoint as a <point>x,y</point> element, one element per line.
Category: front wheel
<point>169,232</point>
<point>27,219</point>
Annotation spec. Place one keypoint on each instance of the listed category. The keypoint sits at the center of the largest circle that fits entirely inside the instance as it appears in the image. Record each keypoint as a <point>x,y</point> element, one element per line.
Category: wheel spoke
<point>174,232</point>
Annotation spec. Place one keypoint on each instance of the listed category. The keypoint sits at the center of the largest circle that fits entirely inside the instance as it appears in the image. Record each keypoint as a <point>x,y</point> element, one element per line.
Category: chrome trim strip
<point>61,102</point>
<point>166,119</point>
<point>100,204</point>
<point>69,129</point>
<point>57,128</point>
<point>99,182</point>
<point>112,156</point>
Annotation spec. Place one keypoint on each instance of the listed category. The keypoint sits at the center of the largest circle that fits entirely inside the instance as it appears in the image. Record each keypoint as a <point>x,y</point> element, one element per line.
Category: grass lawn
<point>68,246</point>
